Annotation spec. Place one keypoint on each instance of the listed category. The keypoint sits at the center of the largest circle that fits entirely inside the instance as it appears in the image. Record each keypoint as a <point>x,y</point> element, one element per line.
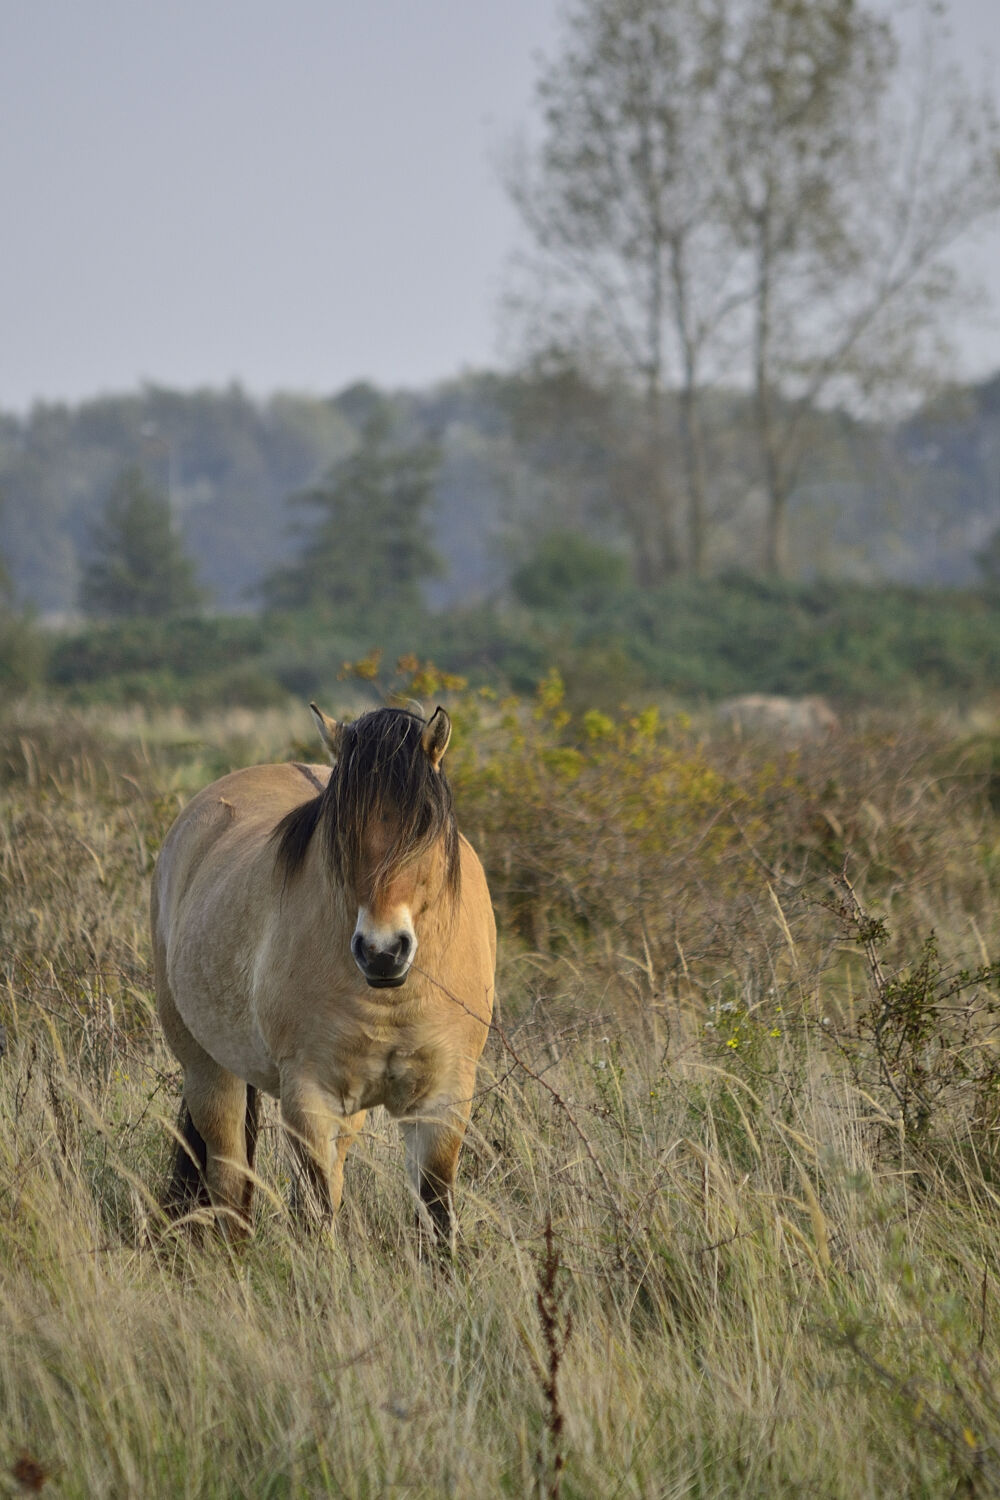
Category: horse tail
<point>186,1190</point>
<point>251,1127</point>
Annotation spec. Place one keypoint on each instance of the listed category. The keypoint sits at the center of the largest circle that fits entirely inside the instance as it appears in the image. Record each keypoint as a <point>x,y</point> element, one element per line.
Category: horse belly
<point>247,1057</point>
<point>232,1040</point>
<point>209,987</point>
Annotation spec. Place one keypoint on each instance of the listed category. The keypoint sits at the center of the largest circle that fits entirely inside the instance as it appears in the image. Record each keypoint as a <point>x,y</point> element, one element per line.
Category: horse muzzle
<point>384,962</point>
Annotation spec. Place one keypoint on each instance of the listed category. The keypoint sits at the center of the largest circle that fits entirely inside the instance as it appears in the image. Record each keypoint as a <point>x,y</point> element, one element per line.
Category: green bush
<point>188,647</point>
<point>612,643</point>
<point>569,571</point>
<point>853,643</point>
<point>23,654</point>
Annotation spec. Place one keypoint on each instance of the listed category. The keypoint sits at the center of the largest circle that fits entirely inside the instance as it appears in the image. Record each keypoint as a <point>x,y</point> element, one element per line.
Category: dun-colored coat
<point>326,936</point>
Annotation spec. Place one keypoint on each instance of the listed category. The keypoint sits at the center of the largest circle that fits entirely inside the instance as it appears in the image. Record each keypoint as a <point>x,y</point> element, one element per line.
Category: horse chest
<point>399,1074</point>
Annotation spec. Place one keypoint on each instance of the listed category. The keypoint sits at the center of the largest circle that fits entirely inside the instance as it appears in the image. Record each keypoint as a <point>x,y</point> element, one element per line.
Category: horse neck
<point>318,884</point>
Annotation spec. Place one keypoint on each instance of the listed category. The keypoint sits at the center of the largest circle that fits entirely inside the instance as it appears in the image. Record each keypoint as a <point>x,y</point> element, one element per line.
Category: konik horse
<point>325,936</point>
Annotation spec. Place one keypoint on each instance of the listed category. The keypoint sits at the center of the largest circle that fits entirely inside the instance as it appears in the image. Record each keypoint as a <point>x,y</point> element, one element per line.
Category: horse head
<point>390,833</point>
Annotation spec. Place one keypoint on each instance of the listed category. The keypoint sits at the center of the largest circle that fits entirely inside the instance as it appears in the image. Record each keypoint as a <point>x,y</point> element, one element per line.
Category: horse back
<point>240,812</point>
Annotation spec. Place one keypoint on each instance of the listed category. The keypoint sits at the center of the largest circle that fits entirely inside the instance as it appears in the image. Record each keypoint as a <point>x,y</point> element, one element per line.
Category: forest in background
<point>521,458</point>
<point>519,554</point>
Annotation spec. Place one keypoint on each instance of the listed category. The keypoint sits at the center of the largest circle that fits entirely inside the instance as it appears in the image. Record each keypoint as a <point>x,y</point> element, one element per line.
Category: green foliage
<point>725,637</point>
<point>850,642</point>
<point>931,1032</point>
<point>197,661</point>
<point>988,561</point>
<point>227,462</point>
<point>369,548</point>
<point>137,563</point>
<point>193,644</point>
<point>22,648</point>
<point>568,571</point>
<point>23,652</point>
<point>522,456</point>
<point>691,642</point>
<point>586,813</point>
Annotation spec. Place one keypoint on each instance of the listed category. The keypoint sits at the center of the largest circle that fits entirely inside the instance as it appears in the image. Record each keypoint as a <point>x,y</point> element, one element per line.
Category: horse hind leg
<point>251,1130</point>
<point>187,1189</point>
<point>216,1131</point>
<point>213,1157</point>
<point>221,1111</point>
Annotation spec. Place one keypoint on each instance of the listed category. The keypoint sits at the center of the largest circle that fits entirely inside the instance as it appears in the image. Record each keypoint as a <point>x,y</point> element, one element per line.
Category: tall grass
<point>762,1277</point>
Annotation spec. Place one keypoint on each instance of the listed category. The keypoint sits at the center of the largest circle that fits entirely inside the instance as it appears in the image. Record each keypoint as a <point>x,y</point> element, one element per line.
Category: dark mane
<point>293,834</point>
<point>381,769</point>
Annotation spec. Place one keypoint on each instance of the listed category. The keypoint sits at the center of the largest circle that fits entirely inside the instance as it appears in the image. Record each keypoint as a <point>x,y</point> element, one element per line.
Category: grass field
<point>728,1206</point>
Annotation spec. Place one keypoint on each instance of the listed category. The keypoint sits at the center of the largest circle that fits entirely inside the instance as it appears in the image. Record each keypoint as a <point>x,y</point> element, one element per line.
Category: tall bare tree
<point>752,187</point>
<point>621,201</point>
<point>851,173</point>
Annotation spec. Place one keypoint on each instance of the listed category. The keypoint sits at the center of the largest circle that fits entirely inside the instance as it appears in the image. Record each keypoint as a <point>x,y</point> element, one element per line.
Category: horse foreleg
<point>433,1143</point>
<point>347,1131</point>
<point>311,1126</point>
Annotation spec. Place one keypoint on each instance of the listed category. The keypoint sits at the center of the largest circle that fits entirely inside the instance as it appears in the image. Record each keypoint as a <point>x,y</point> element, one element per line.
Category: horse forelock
<point>382,771</point>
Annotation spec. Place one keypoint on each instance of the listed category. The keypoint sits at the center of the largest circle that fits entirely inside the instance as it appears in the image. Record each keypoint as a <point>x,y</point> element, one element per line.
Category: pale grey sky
<point>291,193</point>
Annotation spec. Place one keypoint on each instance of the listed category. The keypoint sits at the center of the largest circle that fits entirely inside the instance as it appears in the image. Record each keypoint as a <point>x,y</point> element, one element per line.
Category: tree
<point>6,586</point>
<point>621,200</point>
<point>137,564</point>
<point>848,179</point>
<point>369,547</point>
<point>23,652</point>
<point>754,188</point>
<point>568,571</point>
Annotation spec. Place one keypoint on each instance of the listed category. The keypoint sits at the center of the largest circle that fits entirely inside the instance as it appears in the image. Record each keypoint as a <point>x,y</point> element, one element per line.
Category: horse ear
<point>434,740</point>
<point>330,732</point>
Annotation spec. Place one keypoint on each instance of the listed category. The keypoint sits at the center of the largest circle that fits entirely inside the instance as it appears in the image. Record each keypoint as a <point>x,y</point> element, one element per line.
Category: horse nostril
<point>401,951</point>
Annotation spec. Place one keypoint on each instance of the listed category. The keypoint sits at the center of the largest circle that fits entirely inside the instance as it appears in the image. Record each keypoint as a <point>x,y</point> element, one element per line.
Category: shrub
<point>569,571</point>
<point>23,653</point>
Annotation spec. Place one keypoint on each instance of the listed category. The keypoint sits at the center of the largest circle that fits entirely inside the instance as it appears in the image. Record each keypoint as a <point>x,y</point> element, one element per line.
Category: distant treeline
<point>519,460</point>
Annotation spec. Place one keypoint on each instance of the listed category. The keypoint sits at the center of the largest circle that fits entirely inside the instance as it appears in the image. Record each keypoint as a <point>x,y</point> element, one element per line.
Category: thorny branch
<point>508,1046</point>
